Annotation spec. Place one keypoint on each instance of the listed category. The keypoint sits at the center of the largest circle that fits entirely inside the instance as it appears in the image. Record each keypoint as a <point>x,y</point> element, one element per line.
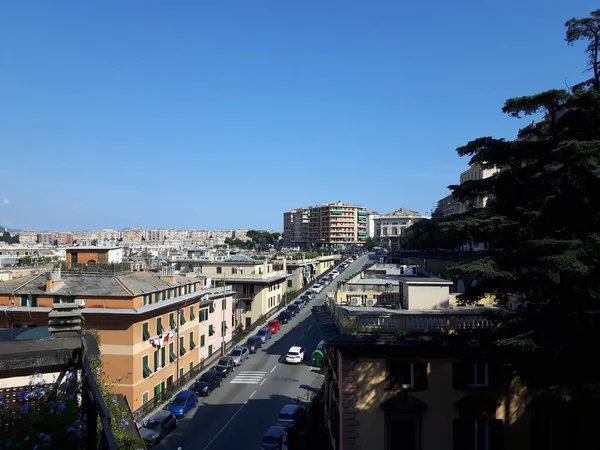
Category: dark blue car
<point>182,403</point>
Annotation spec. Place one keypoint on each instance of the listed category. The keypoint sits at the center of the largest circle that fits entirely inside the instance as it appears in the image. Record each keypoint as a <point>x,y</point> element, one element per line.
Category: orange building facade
<point>153,328</point>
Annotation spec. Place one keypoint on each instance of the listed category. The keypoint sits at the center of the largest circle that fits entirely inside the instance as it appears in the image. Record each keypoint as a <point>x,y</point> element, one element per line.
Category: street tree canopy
<point>541,227</point>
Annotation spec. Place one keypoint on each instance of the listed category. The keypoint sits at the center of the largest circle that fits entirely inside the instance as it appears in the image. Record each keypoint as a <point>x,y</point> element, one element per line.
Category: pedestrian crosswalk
<point>248,377</point>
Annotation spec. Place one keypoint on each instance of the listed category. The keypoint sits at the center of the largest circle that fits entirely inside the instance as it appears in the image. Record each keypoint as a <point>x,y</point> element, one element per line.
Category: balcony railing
<point>406,321</point>
<point>246,296</point>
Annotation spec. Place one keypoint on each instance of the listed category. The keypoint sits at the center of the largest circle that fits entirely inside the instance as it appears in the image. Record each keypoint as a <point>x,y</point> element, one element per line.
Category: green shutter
<point>156,359</point>
<point>210,350</point>
<point>145,332</point>
<point>159,327</point>
<point>289,283</point>
<point>172,355</point>
<point>192,315</point>
<point>23,300</point>
<point>163,356</point>
<point>211,307</point>
<point>192,343</point>
<point>34,300</point>
<point>146,369</point>
<point>224,304</point>
<point>211,330</point>
<point>182,349</point>
<point>181,317</point>
<point>202,340</point>
<point>172,323</point>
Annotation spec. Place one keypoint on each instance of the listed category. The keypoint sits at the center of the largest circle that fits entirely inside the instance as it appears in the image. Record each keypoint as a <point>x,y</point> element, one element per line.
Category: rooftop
<point>85,248</point>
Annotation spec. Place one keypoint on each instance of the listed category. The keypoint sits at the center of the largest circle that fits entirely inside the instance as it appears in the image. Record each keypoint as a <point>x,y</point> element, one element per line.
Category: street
<point>236,415</point>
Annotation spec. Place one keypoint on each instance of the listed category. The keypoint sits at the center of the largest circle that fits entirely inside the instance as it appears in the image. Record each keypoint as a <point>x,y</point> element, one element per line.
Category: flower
<point>24,410</point>
<point>67,385</point>
<point>62,407</point>
<point>70,376</point>
<point>130,373</point>
<point>26,438</point>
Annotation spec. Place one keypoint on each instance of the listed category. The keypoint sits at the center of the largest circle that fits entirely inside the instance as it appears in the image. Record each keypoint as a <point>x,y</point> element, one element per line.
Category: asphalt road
<point>236,415</point>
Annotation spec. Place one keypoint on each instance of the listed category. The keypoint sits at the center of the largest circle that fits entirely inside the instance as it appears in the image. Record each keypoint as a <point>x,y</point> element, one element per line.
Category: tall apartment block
<point>331,224</point>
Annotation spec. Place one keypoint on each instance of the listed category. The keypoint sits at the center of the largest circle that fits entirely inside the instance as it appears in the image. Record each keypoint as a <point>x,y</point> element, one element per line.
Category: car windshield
<point>152,424</point>
<point>291,307</point>
<point>223,362</point>
<point>205,378</point>
<point>178,401</point>
<point>270,440</point>
<point>286,416</point>
<point>262,332</point>
<point>293,353</point>
<point>272,324</point>
<point>236,352</point>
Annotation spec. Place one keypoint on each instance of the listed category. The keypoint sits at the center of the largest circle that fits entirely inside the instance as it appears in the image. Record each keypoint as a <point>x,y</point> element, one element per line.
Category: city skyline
<point>118,115</point>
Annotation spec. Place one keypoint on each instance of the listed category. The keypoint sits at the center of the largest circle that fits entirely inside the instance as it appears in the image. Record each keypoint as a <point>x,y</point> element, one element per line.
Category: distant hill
<point>10,230</point>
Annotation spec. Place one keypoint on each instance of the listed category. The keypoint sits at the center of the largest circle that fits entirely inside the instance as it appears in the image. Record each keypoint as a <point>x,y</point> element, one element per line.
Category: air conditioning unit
<point>80,302</point>
<point>371,302</point>
<point>355,301</point>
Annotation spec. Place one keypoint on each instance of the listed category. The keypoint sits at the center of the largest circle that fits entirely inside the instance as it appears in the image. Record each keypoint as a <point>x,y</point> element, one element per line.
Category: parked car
<point>317,288</point>
<point>253,344</point>
<point>183,402</point>
<point>208,382</point>
<point>293,309</point>
<point>157,427</point>
<point>264,334</point>
<point>305,298</point>
<point>274,438</point>
<point>273,325</point>
<point>224,365</point>
<point>291,417</point>
<point>295,355</point>
<point>325,280</point>
<point>311,294</point>
<point>239,355</point>
<point>299,304</point>
<point>335,274</point>
<point>284,316</point>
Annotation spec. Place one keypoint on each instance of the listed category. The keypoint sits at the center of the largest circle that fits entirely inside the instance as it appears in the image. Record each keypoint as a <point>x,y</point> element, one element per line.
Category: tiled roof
<point>94,285</point>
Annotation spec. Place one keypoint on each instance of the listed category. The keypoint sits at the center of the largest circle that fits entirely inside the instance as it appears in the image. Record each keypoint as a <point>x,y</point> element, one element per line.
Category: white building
<point>391,226</point>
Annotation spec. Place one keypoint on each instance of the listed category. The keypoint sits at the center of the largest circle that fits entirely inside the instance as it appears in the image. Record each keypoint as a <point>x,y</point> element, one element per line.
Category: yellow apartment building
<point>154,328</point>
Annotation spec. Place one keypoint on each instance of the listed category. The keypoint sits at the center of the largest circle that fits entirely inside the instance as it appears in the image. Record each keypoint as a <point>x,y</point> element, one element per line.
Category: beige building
<point>330,224</point>
<point>133,235</point>
<point>28,237</point>
<point>303,272</point>
<point>259,285</point>
<point>391,226</point>
<point>399,373</point>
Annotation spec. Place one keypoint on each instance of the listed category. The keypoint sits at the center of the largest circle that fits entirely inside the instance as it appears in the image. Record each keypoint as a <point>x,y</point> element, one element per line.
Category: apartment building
<point>330,224</point>
<point>86,237</point>
<point>303,272</point>
<point>154,328</point>
<point>259,285</point>
<point>55,238</point>
<point>447,206</point>
<point>400,373</point>
<point>133,235</point>
<point>93,255</point>
<point>28,237</point>
<point>390,227</point>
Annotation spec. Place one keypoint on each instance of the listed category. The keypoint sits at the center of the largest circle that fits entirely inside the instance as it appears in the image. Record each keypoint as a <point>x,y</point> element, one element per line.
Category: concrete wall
<point>428,296</point>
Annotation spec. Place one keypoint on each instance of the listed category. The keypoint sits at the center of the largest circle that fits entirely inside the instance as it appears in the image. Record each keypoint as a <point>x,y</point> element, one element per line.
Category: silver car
<point>239,355</point>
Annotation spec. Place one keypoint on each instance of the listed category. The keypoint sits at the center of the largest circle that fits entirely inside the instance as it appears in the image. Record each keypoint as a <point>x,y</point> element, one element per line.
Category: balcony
<point>246,296</point>
<point>363,320</point>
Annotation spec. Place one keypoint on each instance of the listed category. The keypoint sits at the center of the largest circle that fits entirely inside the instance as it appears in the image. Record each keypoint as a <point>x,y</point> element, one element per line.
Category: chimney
<point>64,320</point>
<point>284,266</point>
<point>168,274</point>
<point>53,280</point>
<point>265,266</point>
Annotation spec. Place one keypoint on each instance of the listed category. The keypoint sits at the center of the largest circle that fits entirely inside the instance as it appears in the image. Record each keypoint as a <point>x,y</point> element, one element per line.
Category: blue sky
<point>194,114</point>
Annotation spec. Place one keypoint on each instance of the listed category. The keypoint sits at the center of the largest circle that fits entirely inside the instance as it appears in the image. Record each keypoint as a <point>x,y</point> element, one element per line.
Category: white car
<point>334,275</point>
<point>317,288</point>
<point>295,355</point>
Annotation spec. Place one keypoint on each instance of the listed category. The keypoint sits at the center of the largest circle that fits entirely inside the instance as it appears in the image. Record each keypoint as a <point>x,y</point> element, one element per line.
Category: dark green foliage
<point>5,236</point>
<point>541,226</point>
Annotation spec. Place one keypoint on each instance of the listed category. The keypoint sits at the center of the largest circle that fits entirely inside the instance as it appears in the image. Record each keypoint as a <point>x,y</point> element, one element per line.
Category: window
<point>181,317</point>
<point>467,374</point>
<point>219,270</point>
<point>159,326</point>
<point>147,299</point>
<point>224,304</point>
<point>203,315</point>
<point>210,350</point>
<point>145,398</point>
<point>172,323</point>
<point>223,328</point>
<point>192,288</point>
<point>172,355</point>
<point>192,343</point>
<point>28,300</point>
<point>159,296</point>
<point>211,330</point>
<point>192,315</point>
<point>406,375</point>
<point>202,340</point>
<point>181,372</point>
<point>56,299</point>
<point>170,380</point>
<point>289,283</point>
<point>470,434</point>
<point>182,350</point>
<point>157,361</point>
<point>191,366</point>
<point>211,307</point>
<point>146,367</point>
<point>145,332</point>
<point>402,433</point>
<point>157,390</point>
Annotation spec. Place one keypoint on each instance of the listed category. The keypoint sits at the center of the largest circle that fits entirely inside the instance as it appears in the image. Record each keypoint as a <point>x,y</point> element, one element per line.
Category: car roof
<point>212,373</point>
<point>241,347</point>
<point>185,394</point>
<point>274,431</point>
<point>289,409</point>
<point>285,313</point>
<point>224,357</point>
<point>272,320</point>
<point>295,348</point>
<point>264,329</point>
<point>160,416</point>
<point>254,338</point>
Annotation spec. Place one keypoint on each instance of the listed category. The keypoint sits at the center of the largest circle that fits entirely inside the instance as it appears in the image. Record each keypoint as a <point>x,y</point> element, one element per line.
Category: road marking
<point>252,395</point>
<point>261,383</point>
<point>273,369</point>
<point>225,426</point>
<point>310,327</point>
<point>302,335</point>
<point>248,377</point>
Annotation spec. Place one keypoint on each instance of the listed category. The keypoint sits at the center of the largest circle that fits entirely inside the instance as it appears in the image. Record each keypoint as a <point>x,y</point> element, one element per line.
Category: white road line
<point>261,383</point>
<point>252,395</point>
<point>273,369</point>
<point>310,327</point>
<point>301,336</point>
<point>225,426</point>
<point>248,377</point>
